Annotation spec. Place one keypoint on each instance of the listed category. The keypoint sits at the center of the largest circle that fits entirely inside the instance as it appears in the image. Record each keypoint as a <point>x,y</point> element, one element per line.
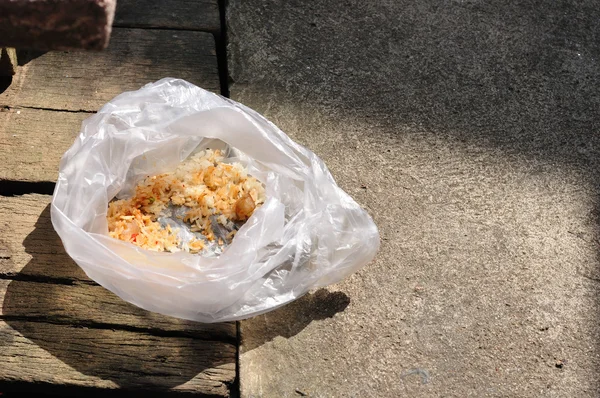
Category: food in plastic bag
<point>199,207</point>
<point>307,234</point>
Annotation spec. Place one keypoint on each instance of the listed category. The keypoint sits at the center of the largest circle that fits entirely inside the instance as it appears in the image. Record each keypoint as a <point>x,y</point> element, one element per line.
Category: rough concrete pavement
<point>469,131</point>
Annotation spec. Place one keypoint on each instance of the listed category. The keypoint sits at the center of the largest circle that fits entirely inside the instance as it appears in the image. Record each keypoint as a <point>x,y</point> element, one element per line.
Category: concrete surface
<point>469,130</point>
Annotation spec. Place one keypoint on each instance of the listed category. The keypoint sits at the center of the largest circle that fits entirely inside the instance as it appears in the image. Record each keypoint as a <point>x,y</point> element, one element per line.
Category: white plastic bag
<point>308,234</point>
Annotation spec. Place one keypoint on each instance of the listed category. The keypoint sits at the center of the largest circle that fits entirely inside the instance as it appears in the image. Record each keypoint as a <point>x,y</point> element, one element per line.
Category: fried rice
<point>208,191</point>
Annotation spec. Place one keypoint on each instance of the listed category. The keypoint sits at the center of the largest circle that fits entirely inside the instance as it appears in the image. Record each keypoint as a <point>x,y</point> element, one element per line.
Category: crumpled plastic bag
<point>308,234</point>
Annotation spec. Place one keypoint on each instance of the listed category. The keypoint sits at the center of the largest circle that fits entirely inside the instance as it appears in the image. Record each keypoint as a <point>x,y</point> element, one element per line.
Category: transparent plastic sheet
<point>308,234</point>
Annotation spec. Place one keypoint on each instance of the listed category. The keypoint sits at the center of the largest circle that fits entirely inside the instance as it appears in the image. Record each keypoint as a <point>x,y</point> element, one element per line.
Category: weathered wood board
<point>43,103</point>
<point>52,356</point>
<point>24,137</point>
<point>77,81</point>
<point>175,14</point>
<point>29,246</point>
<point>60,329</point>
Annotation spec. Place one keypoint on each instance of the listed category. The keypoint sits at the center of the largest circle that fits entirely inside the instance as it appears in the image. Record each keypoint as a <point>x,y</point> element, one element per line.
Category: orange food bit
<point>244,207</point>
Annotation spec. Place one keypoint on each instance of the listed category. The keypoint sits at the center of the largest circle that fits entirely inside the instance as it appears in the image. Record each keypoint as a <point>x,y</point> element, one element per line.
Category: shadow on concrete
<point>131,359</point>
<point>292,318</point>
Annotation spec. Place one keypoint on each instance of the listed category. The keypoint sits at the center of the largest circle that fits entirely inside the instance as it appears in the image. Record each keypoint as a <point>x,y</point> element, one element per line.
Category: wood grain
<point>59,328</point>
<point>31,252</point>
<point>90,305</point>
<point>24,137</point>
<point>53,356</point>
<point>29,246</point>
<point>78,81</point>
<point>175,14</point>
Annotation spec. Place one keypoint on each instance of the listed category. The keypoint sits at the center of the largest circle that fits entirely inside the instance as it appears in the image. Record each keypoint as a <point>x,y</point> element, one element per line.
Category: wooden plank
<point>25,132</point>
<point>85,81</point>
<point>24,137</point>
<point>90,305</point>
<point>52,287</point>
<point>60,329</point>
<point>52,357</point>
<point>29,246</point>
<point>174,14</point>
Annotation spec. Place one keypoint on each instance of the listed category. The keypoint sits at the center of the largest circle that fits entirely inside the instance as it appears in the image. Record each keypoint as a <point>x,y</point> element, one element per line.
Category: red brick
<point>56,24</point>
